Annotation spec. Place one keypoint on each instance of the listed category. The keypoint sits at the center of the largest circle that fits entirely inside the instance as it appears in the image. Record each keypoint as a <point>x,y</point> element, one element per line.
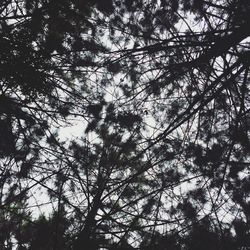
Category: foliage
<point>159,93</point>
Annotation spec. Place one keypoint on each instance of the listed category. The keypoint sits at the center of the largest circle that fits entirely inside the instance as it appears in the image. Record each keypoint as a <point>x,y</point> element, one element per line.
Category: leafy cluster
<point>124,124</point>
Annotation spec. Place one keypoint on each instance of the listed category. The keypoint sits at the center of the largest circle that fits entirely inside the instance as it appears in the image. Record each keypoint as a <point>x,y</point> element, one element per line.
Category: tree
<point>163,162</point>
<point>42,54</point>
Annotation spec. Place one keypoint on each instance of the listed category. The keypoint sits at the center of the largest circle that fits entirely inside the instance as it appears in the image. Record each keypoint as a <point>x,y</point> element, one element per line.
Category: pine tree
<point>161,92</point>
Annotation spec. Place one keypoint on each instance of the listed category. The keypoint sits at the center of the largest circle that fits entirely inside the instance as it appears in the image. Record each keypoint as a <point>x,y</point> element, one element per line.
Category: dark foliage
<point>156,97</point>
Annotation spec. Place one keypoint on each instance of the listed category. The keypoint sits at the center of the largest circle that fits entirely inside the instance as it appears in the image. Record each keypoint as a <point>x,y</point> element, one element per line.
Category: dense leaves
<point>124,124</point>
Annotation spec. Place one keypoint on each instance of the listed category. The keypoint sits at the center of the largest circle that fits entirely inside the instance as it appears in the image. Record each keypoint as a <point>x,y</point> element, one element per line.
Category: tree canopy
<point>124,124</point>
